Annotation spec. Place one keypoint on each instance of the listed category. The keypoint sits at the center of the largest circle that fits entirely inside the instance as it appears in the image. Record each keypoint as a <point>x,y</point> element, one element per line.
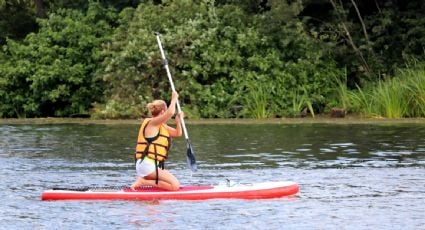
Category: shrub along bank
<point>229,59</point>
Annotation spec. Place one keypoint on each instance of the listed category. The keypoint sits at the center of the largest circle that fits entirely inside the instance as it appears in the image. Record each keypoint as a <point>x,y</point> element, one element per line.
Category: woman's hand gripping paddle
<point>190,155</point>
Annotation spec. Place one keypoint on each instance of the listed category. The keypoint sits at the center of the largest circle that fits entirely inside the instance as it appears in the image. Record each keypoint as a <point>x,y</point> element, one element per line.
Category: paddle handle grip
<point>170,79</point>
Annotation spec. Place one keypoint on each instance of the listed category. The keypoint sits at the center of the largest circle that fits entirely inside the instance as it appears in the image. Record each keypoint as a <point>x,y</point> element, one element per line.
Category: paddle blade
<point>190,156</point>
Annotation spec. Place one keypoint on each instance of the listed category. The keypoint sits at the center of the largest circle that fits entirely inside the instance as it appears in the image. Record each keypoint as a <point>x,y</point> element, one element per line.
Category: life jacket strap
<point>156,165</point>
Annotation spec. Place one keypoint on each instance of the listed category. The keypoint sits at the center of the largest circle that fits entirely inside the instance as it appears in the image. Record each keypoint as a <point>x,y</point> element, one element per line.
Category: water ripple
<point>348,175</point>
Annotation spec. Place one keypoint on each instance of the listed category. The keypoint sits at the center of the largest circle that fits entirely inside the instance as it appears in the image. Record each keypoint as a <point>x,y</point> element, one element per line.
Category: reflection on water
<point>313,146</point>
<point>224,146</point>
<point>348,175</point>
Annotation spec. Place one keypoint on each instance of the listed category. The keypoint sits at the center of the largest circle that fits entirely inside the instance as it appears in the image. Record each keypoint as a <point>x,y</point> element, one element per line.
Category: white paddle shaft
<point>167,69</point>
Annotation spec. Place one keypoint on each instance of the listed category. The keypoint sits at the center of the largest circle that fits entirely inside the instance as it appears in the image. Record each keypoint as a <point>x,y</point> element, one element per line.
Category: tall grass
<point>398,97</point>
<point>257,100</point>
<point>360,102</point>
<point>298,102</point>
<point>343,94</point>
<point>301,101</point>
<point>390,98</point>
<point>416,84</point>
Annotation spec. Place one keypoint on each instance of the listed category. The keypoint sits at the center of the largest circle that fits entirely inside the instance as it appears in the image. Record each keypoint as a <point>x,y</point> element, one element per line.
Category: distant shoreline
<point>309,120</point>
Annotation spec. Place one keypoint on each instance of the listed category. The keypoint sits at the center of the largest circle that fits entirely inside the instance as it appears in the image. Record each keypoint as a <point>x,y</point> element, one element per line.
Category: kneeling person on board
<point>153,144</point>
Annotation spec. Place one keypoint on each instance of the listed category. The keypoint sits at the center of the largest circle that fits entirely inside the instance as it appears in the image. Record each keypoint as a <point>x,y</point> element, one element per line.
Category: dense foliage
<point>222,61</point>
<point>256,59</point>
<point>51,73</point>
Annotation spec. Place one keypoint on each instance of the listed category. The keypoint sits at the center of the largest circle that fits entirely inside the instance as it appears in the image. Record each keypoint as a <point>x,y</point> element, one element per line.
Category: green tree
<point>216,54</point>
<point>51,73</point>
<point>17,19</point>
<point>371,38</point>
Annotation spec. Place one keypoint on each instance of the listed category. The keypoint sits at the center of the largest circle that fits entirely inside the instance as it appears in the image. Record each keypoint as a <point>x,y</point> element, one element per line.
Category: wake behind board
<point>264,190</point>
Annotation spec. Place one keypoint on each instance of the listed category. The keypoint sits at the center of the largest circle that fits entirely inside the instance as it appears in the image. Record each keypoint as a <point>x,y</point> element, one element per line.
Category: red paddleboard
<point>264,190</point>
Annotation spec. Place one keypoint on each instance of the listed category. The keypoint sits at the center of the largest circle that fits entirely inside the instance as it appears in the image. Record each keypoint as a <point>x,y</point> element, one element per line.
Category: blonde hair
<point>156,107</point>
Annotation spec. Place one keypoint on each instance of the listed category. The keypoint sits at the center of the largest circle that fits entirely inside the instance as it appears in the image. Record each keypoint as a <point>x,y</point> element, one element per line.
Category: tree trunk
<point>350,39</point>
<point>39,7</point>
<point>361,21</point>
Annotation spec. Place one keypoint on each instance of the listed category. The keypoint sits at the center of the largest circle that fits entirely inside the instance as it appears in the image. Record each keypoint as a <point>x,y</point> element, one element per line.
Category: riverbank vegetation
<point>402,95</point>
<point>230,59</point>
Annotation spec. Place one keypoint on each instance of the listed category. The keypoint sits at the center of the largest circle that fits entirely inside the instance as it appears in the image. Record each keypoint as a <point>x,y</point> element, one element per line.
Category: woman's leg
<point>166,180</point>
<point>140,181</point>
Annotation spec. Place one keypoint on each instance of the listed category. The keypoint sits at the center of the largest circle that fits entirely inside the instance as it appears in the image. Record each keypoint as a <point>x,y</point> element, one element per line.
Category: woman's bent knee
<point>175,185</point>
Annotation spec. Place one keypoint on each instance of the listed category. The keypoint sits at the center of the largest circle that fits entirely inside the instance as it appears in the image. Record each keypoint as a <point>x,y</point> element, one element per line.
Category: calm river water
<point>351,176</point>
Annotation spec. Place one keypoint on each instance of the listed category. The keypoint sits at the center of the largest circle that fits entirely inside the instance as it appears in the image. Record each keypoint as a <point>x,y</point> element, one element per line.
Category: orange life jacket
<point>156,148</point>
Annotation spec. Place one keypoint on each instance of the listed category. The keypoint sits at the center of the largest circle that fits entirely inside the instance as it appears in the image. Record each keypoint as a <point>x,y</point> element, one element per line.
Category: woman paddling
<point>153,145</point>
